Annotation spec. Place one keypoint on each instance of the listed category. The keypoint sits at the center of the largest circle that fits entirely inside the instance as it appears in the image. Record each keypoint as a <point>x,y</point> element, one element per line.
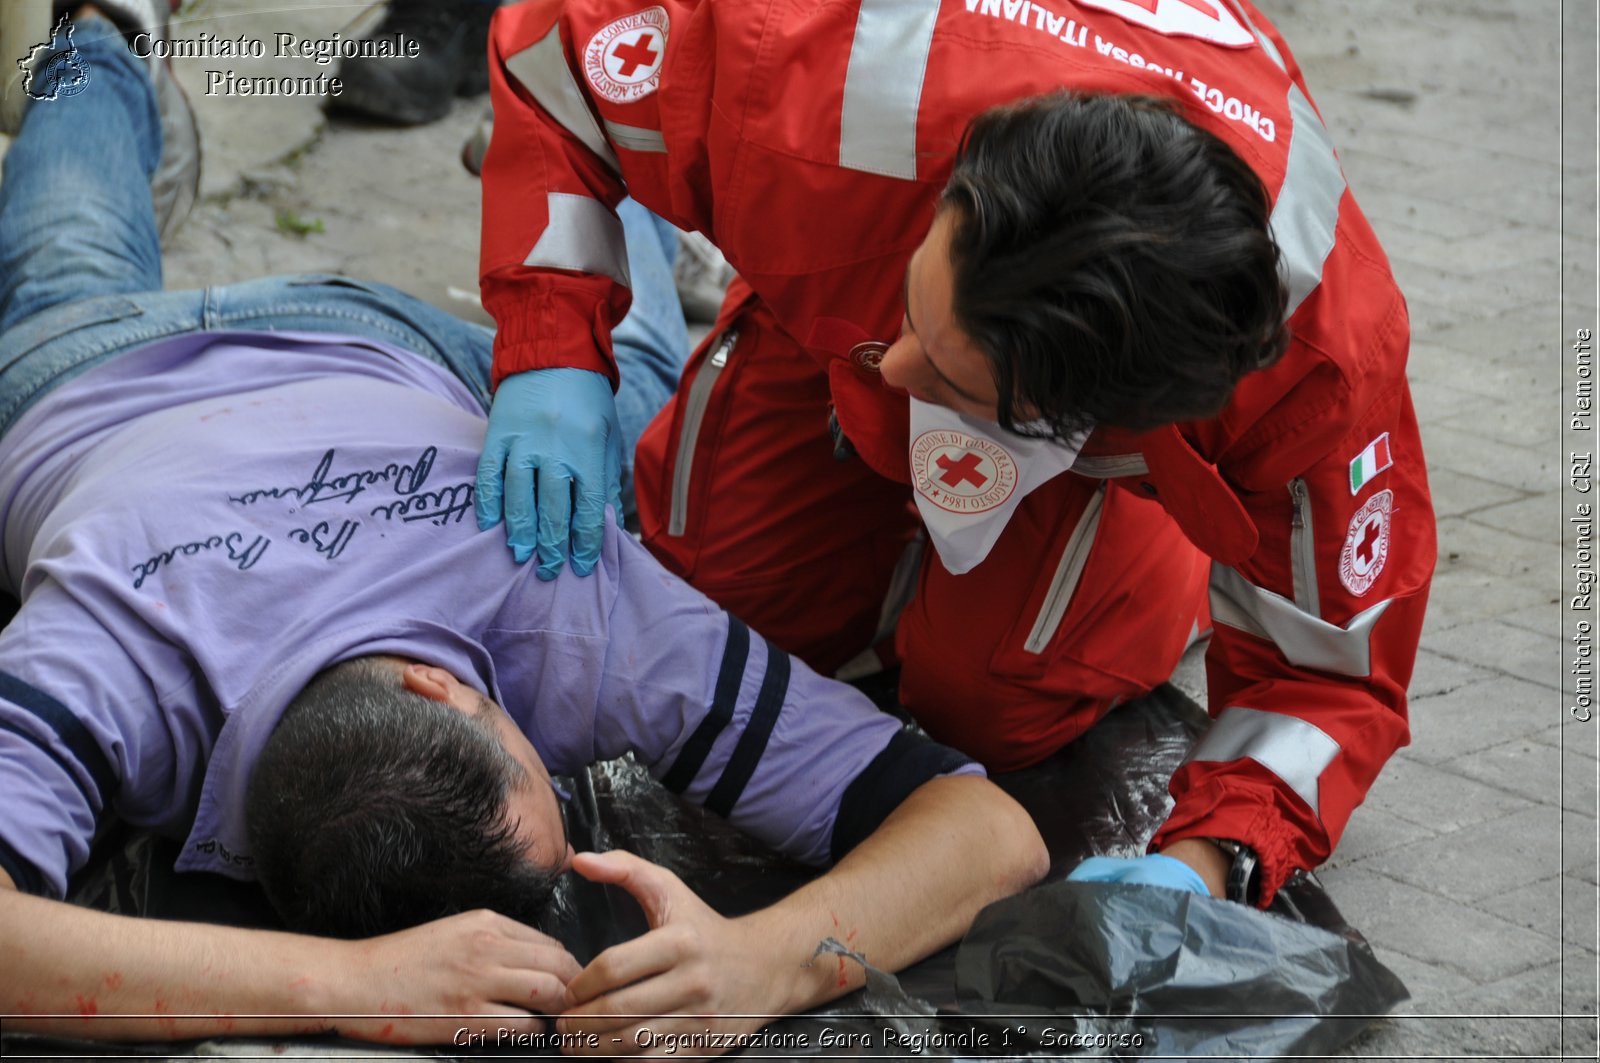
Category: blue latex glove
<point>1151,870</point>
<point>553,455</point>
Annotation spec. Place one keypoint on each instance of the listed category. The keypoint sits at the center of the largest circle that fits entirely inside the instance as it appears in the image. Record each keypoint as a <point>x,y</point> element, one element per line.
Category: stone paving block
<point>1427,317</point>
<point>1538,202</point>
<point>243,133</point>
<point>1479,716</point>
<point>1578,845</point>
<point>1574,737</point>
<point>1514,380</point>
<point>1467,293</point>
<point>1560,906</point>
<point>1374,829</point>
<point>1580,981</point>
<point>1525,124</point>
<point>1565,987</point>
<point>1432,986</point>
<point>1402,1038</point>
<point>1544,618</point>
<point>1535,771</point>
<point>1440,800</point>
<point>1456,494</point>
<point>1472,550</point>
<point>1482,859</point>
<point>374,238</point>
<point>1505,247</point>
<point>1441,228</point>
<point>1518,425</point>
<point>1458,173</point>
<point>1522,653</point>
<point>1399,917</point>
<point>1478,342</point>
<point>1578,280</point>
<point>1436,400</point>
<point>1537,517</point>
<point>1435,675</point>
<point>1527,469</point>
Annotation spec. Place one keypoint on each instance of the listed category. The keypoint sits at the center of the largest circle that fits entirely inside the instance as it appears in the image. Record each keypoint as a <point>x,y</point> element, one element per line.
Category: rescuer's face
<point>933,360</point>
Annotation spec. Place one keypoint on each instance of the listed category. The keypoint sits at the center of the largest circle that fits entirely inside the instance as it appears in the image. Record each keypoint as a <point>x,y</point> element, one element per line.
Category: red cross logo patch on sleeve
<point>623,60</point>
<point>1366,546</point>
<point>1209,20</point>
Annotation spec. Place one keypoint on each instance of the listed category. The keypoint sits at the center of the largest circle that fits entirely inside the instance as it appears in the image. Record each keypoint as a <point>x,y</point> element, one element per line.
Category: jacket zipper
<point>1068,571</point>
<point>694,413</point>
<point>1303,550</point>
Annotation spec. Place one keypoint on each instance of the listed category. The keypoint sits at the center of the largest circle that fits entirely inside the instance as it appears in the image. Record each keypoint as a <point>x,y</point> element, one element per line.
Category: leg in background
<point>652,342</point>
<point>76,219</point>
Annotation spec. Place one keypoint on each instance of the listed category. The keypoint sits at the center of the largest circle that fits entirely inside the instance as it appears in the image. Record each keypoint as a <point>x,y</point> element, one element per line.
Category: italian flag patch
<point>1369,463</point>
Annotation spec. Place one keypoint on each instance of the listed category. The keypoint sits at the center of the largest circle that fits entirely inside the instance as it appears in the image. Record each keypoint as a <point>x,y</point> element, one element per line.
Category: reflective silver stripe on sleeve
<point>1304,640</point>
<point>1265,41</point>
<point>582,235</point>
<point>542,69</point>
<point>883,86</point>
<point>634,138</point>
<point>1307,210</point>
<point>1111,466</point>
<point>1292,749</point>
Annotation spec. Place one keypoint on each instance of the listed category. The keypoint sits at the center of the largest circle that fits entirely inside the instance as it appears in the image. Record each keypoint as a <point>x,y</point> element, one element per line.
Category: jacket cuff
<point>565,324</point>
<point>1213,811</point>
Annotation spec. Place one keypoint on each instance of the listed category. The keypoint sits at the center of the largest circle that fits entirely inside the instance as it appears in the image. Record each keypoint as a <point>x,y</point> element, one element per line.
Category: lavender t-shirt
<point>198,527</point>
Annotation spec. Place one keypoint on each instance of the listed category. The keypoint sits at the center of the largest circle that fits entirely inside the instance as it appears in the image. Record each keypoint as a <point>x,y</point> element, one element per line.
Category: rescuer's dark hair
<point>1112,261</point>
<point>373,808</point>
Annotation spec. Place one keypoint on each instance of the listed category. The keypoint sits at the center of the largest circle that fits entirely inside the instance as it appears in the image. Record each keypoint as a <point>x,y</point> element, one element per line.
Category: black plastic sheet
<point>1109,971</point>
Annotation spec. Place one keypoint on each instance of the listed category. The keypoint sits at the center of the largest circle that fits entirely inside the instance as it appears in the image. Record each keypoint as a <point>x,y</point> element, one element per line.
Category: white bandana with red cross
<point>971,475</point>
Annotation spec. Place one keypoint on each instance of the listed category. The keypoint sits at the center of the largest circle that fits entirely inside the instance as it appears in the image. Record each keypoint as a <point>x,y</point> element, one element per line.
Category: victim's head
<point>390,794</point>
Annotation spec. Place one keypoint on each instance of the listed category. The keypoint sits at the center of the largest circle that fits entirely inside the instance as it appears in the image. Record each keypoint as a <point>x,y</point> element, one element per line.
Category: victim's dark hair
<point>1112,261</point>
<point>373,808</point>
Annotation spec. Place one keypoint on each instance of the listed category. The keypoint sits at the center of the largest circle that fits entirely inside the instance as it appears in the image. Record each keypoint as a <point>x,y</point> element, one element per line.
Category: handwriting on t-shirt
<point>440,507</point>
<point>243,555</point>
<point>327,542</point>
<point>329,538</point>
<point>323,486</point>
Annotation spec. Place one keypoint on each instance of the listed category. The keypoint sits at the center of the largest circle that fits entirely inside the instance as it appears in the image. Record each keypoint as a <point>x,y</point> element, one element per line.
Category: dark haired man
<point>1080,279</point>
<point>253,614</point>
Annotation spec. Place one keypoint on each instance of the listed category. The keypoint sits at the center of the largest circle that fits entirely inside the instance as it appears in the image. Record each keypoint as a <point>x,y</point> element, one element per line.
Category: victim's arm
<point>76,972</point>
<point>956,844</point>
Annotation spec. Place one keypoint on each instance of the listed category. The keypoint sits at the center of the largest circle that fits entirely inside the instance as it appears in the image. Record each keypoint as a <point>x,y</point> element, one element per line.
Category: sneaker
<point>453,41</point>
<point>176,182</point>
<point>701,276</point>
<point>477,145</point>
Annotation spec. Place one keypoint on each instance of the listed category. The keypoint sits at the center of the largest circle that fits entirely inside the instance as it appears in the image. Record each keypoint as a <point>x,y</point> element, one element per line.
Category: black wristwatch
<point>1244,872</point>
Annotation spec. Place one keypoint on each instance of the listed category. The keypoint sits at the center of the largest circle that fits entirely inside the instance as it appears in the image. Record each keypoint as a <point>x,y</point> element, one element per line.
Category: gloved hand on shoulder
<point>552,462</point>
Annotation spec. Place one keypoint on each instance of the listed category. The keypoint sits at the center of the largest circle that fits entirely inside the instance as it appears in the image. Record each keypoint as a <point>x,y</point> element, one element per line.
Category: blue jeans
<point>80,264</point>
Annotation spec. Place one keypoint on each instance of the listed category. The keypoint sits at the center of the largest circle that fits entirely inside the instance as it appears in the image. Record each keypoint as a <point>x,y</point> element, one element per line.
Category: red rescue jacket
<point>810,142</point>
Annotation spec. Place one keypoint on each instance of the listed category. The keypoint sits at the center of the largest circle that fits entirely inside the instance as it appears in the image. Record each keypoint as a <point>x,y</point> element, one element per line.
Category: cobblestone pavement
<point>1472,867</point>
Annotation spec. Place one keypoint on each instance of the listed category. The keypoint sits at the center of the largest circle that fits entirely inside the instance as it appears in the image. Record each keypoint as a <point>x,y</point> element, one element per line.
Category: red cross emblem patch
<point>1366,545</point>
<point>960,472</point>
<point>1209,20</point>
<point>623,60</point>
